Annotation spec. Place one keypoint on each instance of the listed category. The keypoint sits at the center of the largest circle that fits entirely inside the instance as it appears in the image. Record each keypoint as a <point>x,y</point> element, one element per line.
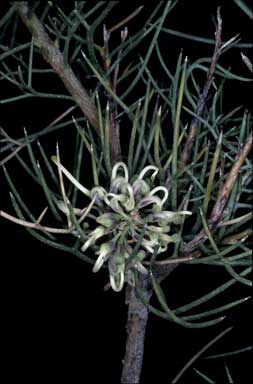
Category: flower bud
<point>100,193</point>
<point>93,236</point>
<point>117,281</point>
<point>62,207</point>
<point>108,220</point>
<point>129,277</point>
<point>150,200</point>
<point>147,169</point>
<point>160,229</point>
<point>118,259</point>
<point>117,184</point>
<point>140,255</point>
<point>115,171</point>
<point>140,187</point>
<point>170,239</point>
<point>104,253</point>
<point>165,217</point>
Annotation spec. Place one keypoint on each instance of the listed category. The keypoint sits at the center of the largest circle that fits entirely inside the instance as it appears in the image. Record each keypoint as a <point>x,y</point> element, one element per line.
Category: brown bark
<point>185,155</point>
<point>136,329</point>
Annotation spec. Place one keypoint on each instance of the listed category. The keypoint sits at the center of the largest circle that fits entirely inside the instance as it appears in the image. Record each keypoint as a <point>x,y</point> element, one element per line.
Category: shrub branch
<point>54,57</point>
<point>185,155</point>
<point>136,329</point>
<point>217,211</point>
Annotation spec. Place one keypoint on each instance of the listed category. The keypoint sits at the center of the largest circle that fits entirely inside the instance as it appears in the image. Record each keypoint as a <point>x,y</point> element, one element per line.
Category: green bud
<point>118,260</point>
<point>129,277</point>
<point>62,207</point>
<point>161,229</point>
<point>140,255</point>
<point>165,217</point>
<point>176,238</point>
<point>108,220</point>
<point>93,236</point>
<point>170,239</point>
<point>104,253</point>
<point>162,222</point>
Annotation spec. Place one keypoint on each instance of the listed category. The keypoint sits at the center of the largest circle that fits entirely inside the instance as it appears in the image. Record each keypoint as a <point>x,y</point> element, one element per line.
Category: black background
<point>57,322</point>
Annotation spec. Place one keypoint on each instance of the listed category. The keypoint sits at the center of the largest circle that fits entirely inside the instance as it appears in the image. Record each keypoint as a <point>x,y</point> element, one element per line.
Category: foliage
<point>178,128</point>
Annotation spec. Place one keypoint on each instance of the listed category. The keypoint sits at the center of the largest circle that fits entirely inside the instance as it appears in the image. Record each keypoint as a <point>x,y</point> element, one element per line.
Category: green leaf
<point>171,314</point>
<point>244,7</point>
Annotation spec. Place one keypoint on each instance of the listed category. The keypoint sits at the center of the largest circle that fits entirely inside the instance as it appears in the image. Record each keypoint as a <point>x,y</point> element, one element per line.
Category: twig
<point>54,57</point>
<point>23,145</point>
<point>217,211</point>
<point>199,353</point>
<point>189,251</point>
<point>237,236</point>
<point>136,328</point>
<point>8,138</point>
<point>83,213</point>
<point>13,153</point>
<point>176,260</point>
<point>210,76</point>
<point>114,81</point>
<point>115,147</point>
<point>228,185</point>
<point>236,220</point>
<point>35,225</point>
<point>126,19</point>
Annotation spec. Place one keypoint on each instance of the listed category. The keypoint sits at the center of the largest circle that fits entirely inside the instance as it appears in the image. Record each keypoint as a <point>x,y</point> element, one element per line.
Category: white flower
<point>128,213</point>
<point>94,235</point>
<point>104,253</point>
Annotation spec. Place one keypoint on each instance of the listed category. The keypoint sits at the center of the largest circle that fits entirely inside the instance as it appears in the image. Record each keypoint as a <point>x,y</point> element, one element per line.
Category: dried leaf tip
<point>123,34</point>
<point>219,19</point>
<point>220,138</point>
<point>247,62</point>
<point>106,34</point>
<point>84,56</point>
<point>57,150</point>
<point>4,168</point>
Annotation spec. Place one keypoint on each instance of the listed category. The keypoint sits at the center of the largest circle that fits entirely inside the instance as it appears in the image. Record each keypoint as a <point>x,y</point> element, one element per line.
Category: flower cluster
<point>131,220</point>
